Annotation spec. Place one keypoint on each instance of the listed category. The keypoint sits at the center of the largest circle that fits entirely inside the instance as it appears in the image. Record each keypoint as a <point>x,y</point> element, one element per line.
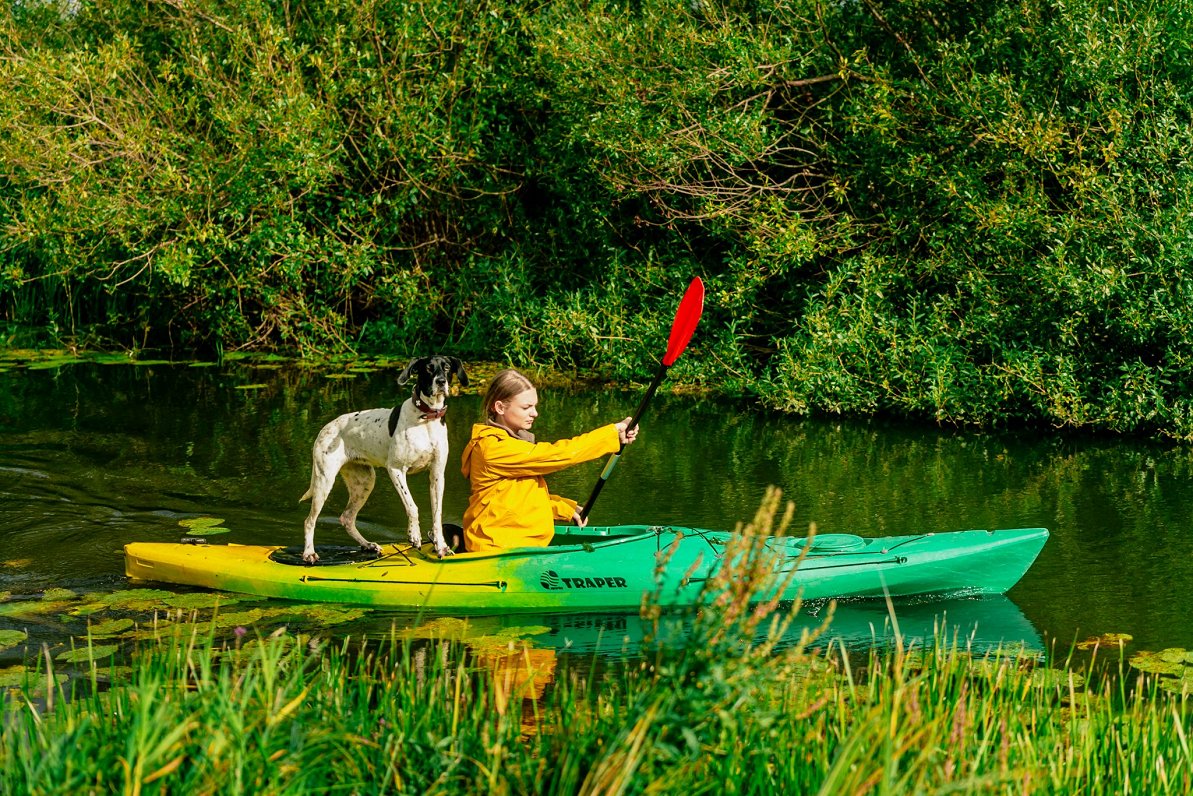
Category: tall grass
<point>729,712</point>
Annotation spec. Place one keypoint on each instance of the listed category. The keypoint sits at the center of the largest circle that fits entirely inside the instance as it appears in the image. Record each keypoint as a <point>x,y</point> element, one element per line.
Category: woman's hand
<point>578,520</point>
<point>625,436</point>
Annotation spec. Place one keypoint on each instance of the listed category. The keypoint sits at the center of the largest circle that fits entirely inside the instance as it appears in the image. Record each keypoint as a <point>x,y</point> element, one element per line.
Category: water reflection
<point>978,625</point>
<point>94,456</point>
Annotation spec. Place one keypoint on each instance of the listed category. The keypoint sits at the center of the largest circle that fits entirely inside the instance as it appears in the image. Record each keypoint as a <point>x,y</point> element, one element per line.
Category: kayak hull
<point>606,568</point>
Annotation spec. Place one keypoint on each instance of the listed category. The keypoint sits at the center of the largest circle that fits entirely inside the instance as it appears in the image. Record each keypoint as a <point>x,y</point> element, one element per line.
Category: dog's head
<point>433,377</point>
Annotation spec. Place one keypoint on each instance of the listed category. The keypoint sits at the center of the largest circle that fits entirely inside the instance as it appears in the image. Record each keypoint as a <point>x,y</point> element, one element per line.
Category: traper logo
<point>551,581</point>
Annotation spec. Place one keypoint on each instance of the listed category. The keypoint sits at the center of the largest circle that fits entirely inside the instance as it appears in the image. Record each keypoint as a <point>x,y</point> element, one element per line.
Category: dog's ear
<point>458,369</point>
<point>405,376</point>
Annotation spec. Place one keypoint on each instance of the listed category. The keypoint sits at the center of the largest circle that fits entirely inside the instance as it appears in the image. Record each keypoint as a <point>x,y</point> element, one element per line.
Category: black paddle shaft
<point>600,484</point>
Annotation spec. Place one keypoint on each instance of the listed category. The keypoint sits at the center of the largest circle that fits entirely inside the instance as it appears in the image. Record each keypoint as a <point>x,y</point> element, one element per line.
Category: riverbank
<point>288,713</point>
<point>235,703</point>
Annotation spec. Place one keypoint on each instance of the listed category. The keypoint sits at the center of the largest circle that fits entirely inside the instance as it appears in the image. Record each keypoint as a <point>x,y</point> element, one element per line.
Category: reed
<point>731,711</point>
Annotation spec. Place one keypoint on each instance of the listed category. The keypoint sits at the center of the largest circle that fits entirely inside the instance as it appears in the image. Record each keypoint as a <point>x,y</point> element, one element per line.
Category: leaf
<point>199,600</point>
<point>1154,663</point>
<point>11,638</point>
<point>201,523</point>
<point>111,627</point>
<point>1105,640</point>
<point>92,653</point>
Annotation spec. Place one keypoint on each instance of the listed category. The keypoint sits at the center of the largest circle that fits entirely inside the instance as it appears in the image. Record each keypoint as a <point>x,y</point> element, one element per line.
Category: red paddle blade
<point>686,318</point>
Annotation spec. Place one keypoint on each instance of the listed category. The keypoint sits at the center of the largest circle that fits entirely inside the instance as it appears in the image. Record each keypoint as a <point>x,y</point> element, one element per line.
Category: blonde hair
<point>504,386</point>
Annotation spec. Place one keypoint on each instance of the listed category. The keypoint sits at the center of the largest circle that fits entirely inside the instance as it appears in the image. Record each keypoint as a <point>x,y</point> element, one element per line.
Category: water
<point>94,456</point>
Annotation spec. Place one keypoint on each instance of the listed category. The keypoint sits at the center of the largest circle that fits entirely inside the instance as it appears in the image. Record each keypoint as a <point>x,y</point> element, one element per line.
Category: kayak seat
<point>832,543</point>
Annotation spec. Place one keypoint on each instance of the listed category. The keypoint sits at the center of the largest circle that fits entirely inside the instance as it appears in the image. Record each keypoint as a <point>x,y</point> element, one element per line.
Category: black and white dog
<point>408,439</point>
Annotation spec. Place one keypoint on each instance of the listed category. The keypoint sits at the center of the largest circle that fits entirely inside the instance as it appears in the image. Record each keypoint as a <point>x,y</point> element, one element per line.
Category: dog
<point>410,438</point>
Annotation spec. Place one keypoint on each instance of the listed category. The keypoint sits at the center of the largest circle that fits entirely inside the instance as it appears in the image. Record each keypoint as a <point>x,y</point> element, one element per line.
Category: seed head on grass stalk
<point>746,590</point>
<point>728,674</point>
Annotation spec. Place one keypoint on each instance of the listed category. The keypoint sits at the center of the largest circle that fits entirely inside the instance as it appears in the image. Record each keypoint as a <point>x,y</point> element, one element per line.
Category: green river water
<point>93,456</point>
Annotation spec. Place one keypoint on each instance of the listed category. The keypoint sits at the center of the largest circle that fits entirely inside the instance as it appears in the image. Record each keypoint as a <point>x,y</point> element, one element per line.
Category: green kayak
<point>601,568</point>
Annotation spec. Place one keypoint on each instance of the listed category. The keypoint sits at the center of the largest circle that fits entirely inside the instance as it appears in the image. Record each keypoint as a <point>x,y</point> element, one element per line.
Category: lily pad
<point>22,677</point>
<point>136,599</point>
<point>32,608</point>
<point>92,653</point>
<point>1174,661</point>
<point>11,638</point>
<point>1178,685</point>
<point>197,600</point>
<point>204,524</point>
<point>59,594</point>
<point>329,614</point>
<point>115,674</point>
<point>198,523</point>
<point>1045,677</point>
<point>87,609</point>
<point>1105,640</point>
<point>235,618</point>
<point>111,627</point>
<point>12,677</point>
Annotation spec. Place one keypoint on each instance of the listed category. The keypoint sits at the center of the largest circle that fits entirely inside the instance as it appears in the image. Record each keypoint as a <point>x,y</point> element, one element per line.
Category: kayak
<point>601,568</point>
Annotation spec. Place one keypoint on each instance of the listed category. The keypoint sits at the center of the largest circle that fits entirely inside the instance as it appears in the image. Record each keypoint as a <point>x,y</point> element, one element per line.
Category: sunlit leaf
<point>201,523</point>
<point>1174,655</point>
<point>239,618</point>
<point>11,638</point>
<point>111,627</point>
<point>136,599</point>
<point>87,609</point>
<point>1105,640</point>
<point>1046,677</point>
<point>199,600</point>
<point>1155,663</point>
<point>59,594</point>
<point>12,677</point>
<point>326,615</point>
<point>32,608</point>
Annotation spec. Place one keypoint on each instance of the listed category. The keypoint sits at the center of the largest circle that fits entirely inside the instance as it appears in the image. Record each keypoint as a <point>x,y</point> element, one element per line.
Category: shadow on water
<point>95,456</point>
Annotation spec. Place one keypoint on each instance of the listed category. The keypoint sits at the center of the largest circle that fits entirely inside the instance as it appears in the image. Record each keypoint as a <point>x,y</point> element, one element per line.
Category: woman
<point>510,505</point>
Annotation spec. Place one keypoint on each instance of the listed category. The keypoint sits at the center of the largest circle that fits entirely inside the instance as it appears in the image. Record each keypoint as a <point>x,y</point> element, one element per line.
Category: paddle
<point>686,318</point>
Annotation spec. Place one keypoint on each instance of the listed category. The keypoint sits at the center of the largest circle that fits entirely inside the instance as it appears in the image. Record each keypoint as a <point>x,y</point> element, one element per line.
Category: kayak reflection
<point>978,624</point>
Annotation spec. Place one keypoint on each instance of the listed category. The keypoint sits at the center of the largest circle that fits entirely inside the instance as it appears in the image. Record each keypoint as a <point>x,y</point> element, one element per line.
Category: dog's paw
<point>445,551</point>
<point>310,556</point>
<point>416,540</point>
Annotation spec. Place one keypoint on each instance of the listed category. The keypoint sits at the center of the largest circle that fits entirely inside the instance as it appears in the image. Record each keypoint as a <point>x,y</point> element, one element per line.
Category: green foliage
<point>972,214</point>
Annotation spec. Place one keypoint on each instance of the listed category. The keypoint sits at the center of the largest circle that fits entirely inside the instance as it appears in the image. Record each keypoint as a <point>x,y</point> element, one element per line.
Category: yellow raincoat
<point>510,505</point>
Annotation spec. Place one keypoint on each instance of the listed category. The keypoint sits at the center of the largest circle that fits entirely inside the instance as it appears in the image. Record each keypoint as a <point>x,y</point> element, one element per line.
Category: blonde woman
<point>510,505</point>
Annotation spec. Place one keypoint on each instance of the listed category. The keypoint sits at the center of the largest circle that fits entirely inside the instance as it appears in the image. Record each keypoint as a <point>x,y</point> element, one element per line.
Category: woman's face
<point>519,412</point>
